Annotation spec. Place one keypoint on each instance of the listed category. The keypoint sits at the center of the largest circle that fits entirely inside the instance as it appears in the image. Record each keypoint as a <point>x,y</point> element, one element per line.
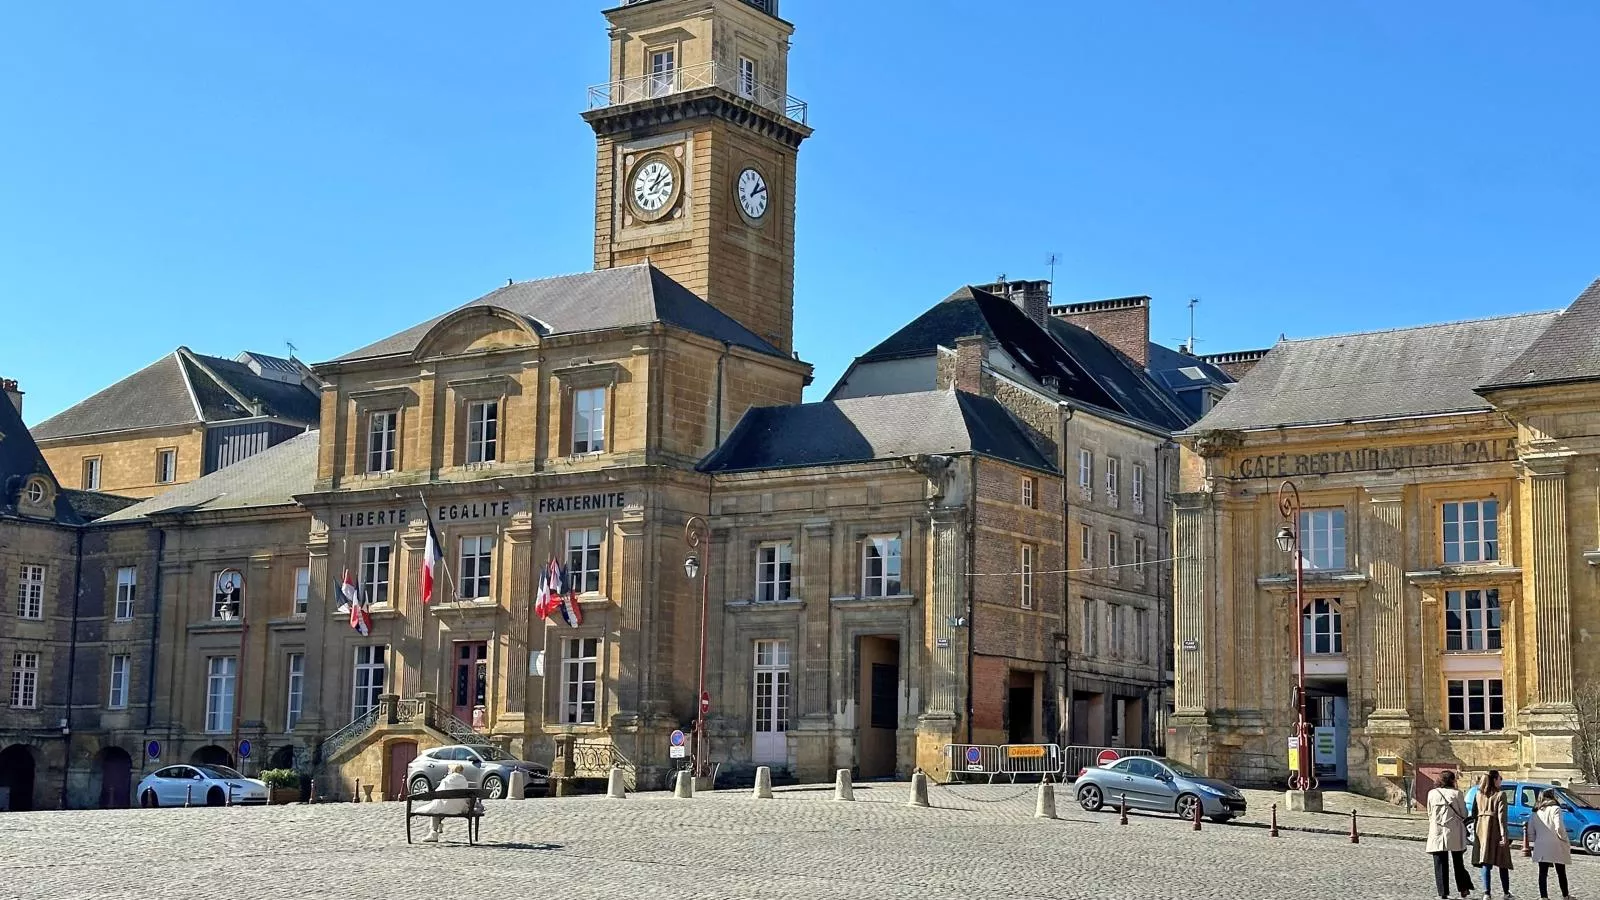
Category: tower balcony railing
<point>691,78</point>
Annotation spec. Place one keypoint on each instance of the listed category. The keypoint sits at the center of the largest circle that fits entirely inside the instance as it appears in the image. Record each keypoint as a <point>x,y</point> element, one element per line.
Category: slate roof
<point>1568,350</point>
<point>270,478</point>
<point>1133,391</point>
<point>593,301</point>
<point>1430,369</point>
<point>20,459</point>
<point>183,388</point>
<point>874,428</point>
<point>1185,377</point>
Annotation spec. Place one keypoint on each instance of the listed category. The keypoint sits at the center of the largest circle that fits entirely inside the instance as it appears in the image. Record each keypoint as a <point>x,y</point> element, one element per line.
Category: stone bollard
<point>919,789</point>
<point>517,785</point>
<point>763,789</point>
<point>367,796</point>
<point>842,789</point>
<point>614,786</point>
<point>1045,806</point>
<point>685,786</point>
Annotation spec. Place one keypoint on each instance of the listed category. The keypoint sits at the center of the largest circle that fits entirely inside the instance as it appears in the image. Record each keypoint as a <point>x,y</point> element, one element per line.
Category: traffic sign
<point>705,703</point>
<point>1025,751</point>
<point>677,752</point>
<point>244,749</point>
<point>153,750</point>
<point>676,739</point>
<point>974,754</point>
<point>1107,757</point>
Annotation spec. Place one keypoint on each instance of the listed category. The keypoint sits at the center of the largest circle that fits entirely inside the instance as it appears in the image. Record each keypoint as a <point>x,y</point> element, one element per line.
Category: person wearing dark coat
<point>1492,849</point>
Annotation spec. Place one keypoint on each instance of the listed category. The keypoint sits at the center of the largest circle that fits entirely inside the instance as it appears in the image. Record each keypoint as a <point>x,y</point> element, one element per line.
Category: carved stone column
<point>1383,546</point>
<point>1552,601</point>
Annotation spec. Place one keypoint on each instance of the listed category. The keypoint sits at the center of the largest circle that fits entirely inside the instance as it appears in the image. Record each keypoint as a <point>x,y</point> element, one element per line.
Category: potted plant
<point>283,785</point>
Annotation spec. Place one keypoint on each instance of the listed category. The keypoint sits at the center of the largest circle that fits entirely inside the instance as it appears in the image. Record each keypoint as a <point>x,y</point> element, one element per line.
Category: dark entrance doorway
<point>878,707</point>
<point>114,767</point>
<point>16,774</point>
<point>472,679</point>
<point>1021,698</point>
<point>211,755</point>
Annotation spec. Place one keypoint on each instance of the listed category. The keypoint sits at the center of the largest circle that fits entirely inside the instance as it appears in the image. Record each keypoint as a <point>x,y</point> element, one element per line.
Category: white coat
<point>455,781</point>
<point>1550,844</point>
<point>1447,821</point>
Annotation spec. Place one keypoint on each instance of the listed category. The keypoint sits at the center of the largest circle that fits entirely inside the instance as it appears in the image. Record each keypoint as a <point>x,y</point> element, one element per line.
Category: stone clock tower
<point>697,140</point>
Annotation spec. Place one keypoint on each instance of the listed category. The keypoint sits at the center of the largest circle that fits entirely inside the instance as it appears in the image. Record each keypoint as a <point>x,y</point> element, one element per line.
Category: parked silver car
<point>483,766</point>
<point>1159,784</point>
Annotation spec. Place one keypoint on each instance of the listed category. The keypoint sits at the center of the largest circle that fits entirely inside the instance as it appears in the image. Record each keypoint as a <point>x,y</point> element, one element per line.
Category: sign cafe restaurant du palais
<point>1446,526</point>
<point>606,420</point>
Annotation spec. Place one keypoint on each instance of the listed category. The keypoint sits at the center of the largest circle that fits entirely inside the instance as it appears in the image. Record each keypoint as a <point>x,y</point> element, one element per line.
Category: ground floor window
<point>772,686</point>
<point>579,668</point>
<point>220,674</point>
<point>1477,704</point>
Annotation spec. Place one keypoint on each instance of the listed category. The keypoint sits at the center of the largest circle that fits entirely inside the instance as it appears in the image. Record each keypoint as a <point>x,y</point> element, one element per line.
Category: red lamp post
<point>1288,541</point>
<point>695,532</point>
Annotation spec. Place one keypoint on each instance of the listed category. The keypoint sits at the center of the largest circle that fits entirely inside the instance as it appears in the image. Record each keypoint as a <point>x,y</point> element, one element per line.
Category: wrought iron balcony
<point>706,75</point>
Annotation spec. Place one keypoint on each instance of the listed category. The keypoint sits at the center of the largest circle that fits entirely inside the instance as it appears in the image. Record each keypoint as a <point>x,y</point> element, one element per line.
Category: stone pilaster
<point>946,655</point>
<point>1548,580</point>
<point>516,590</point>
<point>1383,548</point>
<point>319,607</point>
<point>1195,552</point>
<point>812,729</point>
<point>415,639</point>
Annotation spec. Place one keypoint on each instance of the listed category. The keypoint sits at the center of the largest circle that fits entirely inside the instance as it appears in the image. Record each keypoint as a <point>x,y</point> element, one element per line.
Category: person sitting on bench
<point>455,781</point>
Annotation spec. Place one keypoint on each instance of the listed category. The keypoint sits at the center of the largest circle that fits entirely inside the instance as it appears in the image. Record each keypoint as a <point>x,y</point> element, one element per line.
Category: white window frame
<point>166,465</point>
<point>30,591</point>
<point>222,691</point>
<point>1490,691</point>
<point>91,473</point>
<point>1085,545</point>
<point>369,678</point>
<point>1113,480</point>
<point>1025,559</point>
<point>1324,540</point>
<point>483,431</point>
<point>383,440</point>
<point>1113,551</point>
<point>1484,546</point>
<point>221,607</point>
<point>294,702</point>
<point>749,77</point>
<point>117,694</point>
<point>475,572</point>
<point>1138,487</point>
<point>377,569</point>
<point>24,680</point>
<point>1322,627</point>
<point>887,550</point>
<point>127,593</point>
<point>1479,621</point>
<point>1030,492</point>
<point>302,590</point>
<point>580,668</point>
<point>771,669</point>
<point>1140,554</point>
<point>774,571</point>
<point>585,555</point>
<point>1086,473</point>
<point>589,405</point>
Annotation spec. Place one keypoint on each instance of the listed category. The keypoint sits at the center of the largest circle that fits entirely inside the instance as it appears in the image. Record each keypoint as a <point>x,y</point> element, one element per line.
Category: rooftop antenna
<point>1193,302</point>
<point>292,348</point>
<point>1051,261</point>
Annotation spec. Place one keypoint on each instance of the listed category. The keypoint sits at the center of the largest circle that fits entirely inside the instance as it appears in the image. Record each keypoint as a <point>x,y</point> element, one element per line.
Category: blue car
<point>1581,817</point>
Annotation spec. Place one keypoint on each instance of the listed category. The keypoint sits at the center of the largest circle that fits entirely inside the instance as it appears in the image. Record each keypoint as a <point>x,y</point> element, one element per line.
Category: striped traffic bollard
<point>1274,831</point>
<point>1355,833</point>
<point>1123,820</point>
<point>1197,805</point>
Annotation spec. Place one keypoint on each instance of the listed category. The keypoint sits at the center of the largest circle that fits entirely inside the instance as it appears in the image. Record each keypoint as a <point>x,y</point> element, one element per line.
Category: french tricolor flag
<point>348,595</point>
<point>432,561</point>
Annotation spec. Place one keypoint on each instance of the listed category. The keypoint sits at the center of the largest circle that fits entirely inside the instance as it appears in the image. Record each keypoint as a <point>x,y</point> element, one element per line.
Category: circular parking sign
<point>676,739</point>
<point>153,749</point>
<point>974,754</point>
<point>1107,757</point>
<point>244,749</point>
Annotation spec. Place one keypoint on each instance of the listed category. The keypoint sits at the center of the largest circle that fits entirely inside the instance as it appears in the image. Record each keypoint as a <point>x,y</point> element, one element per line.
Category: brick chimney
<point>1237,363</point>
<point>1033,297</point>
<point>1123,323</point>
<point>971,351</point>
<point>13,393</point>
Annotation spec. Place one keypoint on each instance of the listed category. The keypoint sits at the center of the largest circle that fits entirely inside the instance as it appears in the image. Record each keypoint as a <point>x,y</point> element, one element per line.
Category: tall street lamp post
<point>1288,540</point>
<point>695,532</point>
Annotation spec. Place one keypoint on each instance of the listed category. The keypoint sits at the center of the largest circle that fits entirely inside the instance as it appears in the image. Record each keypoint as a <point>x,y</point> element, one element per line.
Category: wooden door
<point>401,753</point>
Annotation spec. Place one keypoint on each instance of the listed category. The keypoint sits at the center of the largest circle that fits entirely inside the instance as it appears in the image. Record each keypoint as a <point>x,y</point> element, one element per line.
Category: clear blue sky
<point>231,176</point>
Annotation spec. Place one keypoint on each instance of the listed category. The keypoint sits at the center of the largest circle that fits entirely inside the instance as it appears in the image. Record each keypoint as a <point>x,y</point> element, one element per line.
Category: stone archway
<point>282,758</point>
<point>113,769</point>
<point>211,755</point>
<point>18,764</point>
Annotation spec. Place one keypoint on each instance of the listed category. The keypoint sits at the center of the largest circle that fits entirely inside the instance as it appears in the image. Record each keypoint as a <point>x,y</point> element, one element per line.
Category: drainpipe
<point>155,631</point>
<point>72,662</point>
<point>721,363</point>
<point>972,556</point>
<point>1065,692</point>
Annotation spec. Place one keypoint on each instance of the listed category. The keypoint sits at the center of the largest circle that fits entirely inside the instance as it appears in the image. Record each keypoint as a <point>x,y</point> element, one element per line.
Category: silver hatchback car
<point>1159,784</point>
<point>482,765</point>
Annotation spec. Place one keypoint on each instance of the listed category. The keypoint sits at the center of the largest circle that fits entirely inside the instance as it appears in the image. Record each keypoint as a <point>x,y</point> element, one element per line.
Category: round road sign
<point>676,739</point>
<point>1107,757</point>
<point>705,703</point>
<point>153,749</point>
<point>244,749</point>
<point>974,754</point>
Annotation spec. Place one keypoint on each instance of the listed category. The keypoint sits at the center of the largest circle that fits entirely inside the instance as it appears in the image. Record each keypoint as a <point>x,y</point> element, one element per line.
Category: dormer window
<point>36,491</point>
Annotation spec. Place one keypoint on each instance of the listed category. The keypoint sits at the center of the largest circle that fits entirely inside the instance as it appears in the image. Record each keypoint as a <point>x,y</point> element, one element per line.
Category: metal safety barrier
<point>1029,759</point>
<point>1076,758</point>
<point>973,759</point>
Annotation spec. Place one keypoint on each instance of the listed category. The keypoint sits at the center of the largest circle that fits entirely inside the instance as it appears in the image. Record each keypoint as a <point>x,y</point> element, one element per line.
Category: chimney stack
<point>970,354</point>
<point>1032,297</point>
<point>13,393</point>
<point>1123,323</point>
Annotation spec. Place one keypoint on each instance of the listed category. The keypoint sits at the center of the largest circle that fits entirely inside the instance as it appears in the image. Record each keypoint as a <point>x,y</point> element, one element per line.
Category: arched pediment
<point>476,329</point>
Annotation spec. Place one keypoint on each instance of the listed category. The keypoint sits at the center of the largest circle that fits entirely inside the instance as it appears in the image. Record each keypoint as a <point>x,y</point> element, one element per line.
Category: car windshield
<point>218,772</point>
<point>1179,767</point>
<point>1572,800</point>
<point>491,753</point>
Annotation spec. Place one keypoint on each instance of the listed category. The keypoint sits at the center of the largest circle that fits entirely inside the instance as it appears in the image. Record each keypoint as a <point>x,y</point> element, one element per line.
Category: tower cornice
<point>715,102</point>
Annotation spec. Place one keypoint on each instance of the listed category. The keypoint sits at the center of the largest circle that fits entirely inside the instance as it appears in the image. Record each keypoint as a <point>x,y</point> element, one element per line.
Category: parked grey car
<point>1159,784</point>
<point>483,766</point>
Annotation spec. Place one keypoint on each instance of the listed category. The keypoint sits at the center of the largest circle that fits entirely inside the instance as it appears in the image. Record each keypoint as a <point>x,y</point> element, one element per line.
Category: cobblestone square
<point>976,842</point>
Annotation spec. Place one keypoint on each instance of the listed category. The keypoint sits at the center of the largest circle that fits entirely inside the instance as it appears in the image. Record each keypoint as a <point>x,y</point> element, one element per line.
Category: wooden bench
<point>472,815</point>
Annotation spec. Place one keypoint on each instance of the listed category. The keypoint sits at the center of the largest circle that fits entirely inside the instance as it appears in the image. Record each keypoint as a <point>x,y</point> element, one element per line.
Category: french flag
<point>432,561</point>
<point>360,619</point>
<point>348,595</point>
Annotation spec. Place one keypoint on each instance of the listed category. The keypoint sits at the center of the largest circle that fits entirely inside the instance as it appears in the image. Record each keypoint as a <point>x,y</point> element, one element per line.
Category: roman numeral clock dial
<point>753,194</point>
<point>654,188</point>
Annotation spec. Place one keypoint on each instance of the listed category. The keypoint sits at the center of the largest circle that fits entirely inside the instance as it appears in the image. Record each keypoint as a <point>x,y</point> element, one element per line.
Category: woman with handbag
<point>1492,850</point>
<point>1447,836</point>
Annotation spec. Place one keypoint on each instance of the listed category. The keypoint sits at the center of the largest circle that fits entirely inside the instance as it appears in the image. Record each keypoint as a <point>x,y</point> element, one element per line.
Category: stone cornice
<point>1320,580</point>
<point>708,102</point>
<point>1458,576</point>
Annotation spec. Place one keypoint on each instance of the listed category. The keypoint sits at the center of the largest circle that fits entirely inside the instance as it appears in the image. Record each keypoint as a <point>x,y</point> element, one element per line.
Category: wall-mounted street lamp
<point>695,533</point>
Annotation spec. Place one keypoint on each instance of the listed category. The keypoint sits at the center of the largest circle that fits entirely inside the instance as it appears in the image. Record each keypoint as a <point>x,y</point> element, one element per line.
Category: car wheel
<point>420,785</point>
<point>215,797</point>
<point>1187,804</point>
<point>148,799</point>
<point>496,786</point>
<point>1090,797</point>
<point>1591,842</point>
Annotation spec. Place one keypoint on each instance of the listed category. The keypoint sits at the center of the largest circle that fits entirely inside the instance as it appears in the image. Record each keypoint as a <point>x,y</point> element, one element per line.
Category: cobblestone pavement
<point>978,842</point>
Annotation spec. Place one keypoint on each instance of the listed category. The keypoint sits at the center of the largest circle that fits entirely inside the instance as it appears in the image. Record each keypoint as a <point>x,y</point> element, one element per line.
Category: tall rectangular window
<point>1139,554</point>
<point>302,590</point>
<point>1322,539</point>
<point>371,672</point>
<point>579,668</point>
<point>772,687</point>
<point>1113,479</point>
<point>1116,625</point>
<point>296,689</point>
<point>225,600</point>
<point>1091,619</point>
<point>166,465</point>
<point>381,434</point>
<point>1141,637</point>
<point>1138,487</point>
<point>774,570</point>
<point>1025,568</point>
<point>1030,492</point>
<point>1086,473</point>
<point>1476,704</point>
<point>25,680</point>
<point>127,586</point>
<point>1085,545</point>
<point>663,66</point>
<point>118,696</point>
<point>880,566</point>
<point>747,78</point>
<point>583,559</point>
<point>589,421</point>
<point>220,674</point>
<point>1472,621</point>
<point>30,592</point>
<point>1113,551</point>
<point>1471,531</point>
<point>477,567</point>
<point>375,573</point>
<point>483,431</point>
<point>1322,627</point>
<point>91,473</point>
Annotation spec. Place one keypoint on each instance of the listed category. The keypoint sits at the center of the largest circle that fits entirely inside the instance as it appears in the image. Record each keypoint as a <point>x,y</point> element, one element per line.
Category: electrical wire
<point>1147,562</point>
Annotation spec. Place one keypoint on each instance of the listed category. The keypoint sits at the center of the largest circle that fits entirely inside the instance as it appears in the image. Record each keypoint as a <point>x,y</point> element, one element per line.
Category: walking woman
<point>1492,850</point>
<point>1447,836</point>
<point>1550,846</point>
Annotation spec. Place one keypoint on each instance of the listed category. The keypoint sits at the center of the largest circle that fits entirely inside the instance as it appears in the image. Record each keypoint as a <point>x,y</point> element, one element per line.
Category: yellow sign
<point>1294,759</point>
<point>1030,752</point>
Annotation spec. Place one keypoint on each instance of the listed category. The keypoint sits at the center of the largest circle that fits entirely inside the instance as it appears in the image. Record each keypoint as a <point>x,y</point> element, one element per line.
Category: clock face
<point>752,193</point>
<point>654,186</point>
